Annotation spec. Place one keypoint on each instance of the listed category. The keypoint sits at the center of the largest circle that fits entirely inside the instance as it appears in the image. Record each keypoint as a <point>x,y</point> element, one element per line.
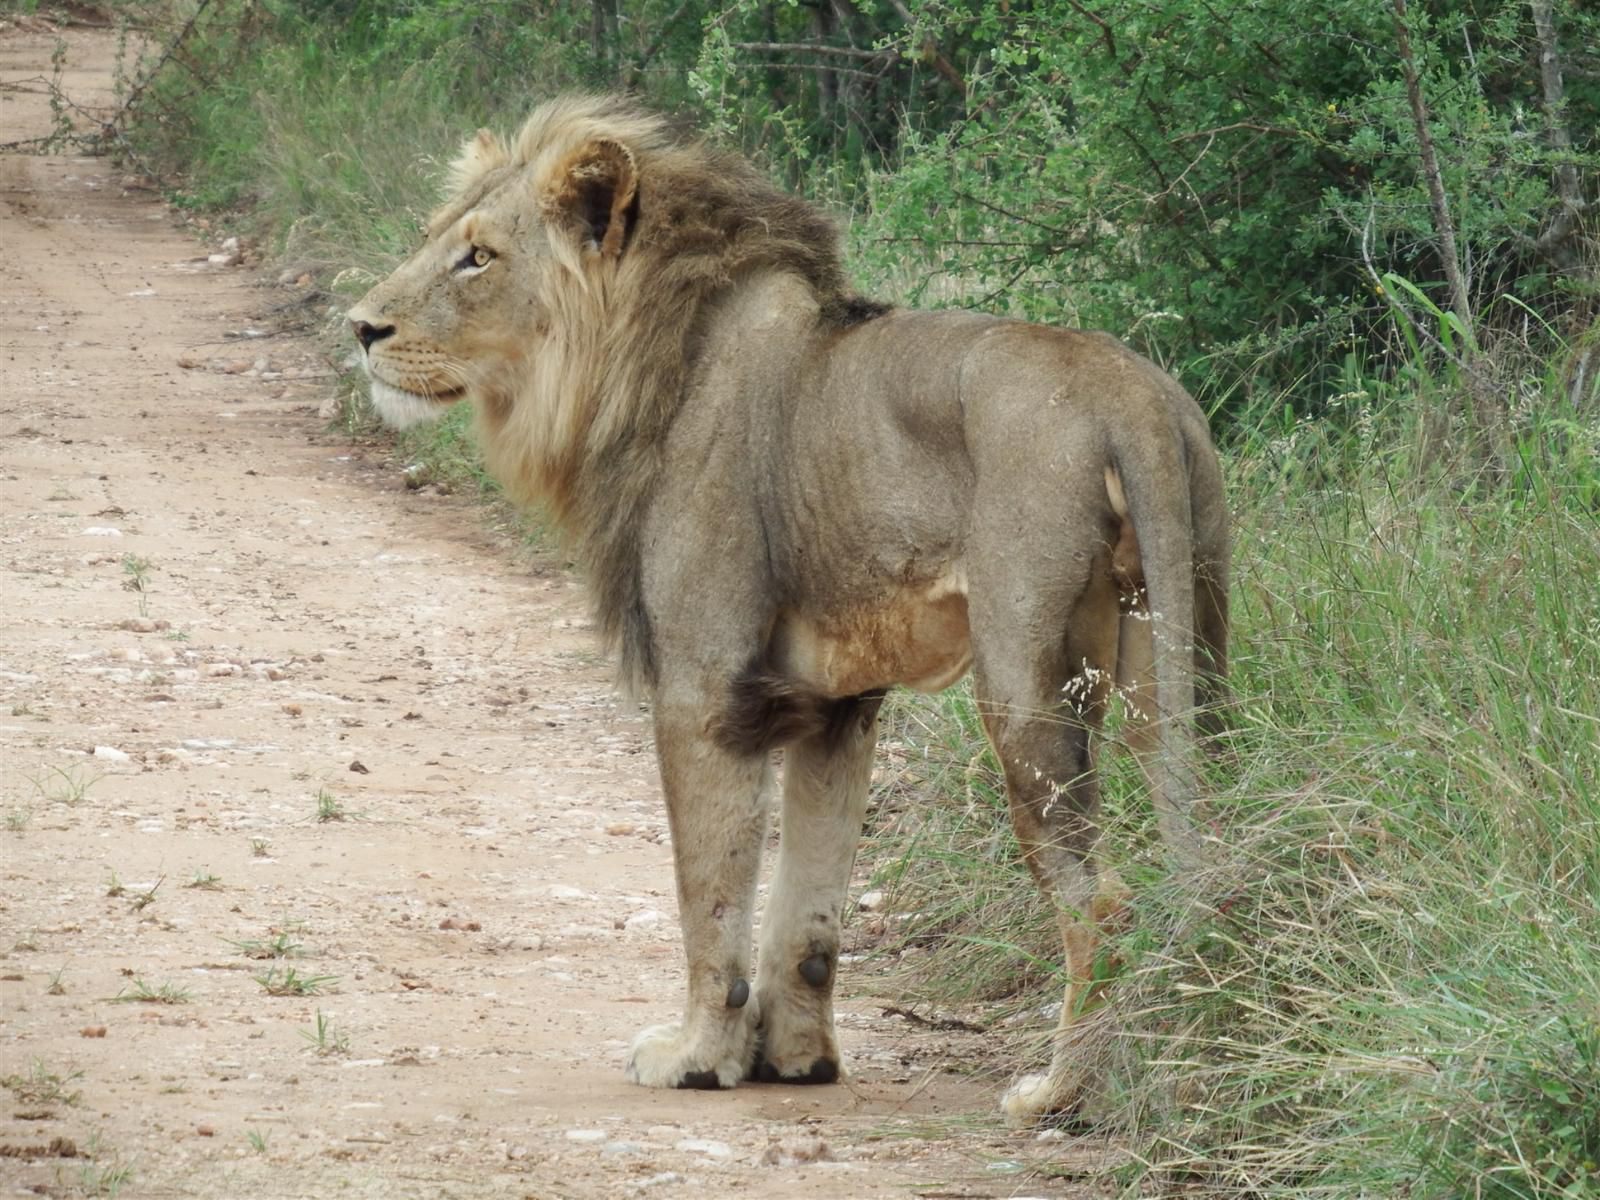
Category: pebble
<point>870,901</point>
<point>647,919</point>
<point>143,625</point>
<point>563,891</point>
<point>619,1149</point>
<point>220,669</point>
<point>704,1146</point>
<point>586,1135</point>
<point>101,531</point>
<point>792,1152</point>
<point>110,754</point>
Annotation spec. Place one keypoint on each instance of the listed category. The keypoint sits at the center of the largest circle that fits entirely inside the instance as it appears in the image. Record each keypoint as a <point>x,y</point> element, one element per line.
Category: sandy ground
<point>218,615</point>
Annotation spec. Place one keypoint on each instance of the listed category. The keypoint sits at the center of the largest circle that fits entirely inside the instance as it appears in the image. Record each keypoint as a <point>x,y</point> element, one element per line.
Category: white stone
<point>870,901</point>
<point>110,754</point>
<point>704,1146</point>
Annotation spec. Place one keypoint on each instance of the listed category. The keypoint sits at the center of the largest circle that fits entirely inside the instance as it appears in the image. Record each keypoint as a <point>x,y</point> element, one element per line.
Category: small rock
<point>619,1149</point>
<point>206,1130</point>
<point>110,754</point>
<point>189,362</point>
<point>647,918</point>
<point>620,828</point>
<point>101,531</point>
<point>230,245</point>
<point>218,670</point>
<point>92,1031</point>
<point>143,625</point>
<point>586,1135</point>
<point>792,1152</point>
<point>660,1178</point>
<point>562,891</point>
<point>304,279</point>
<point>359,767</point>
<point>705,1146</point>
<point>870,901</point>
<point>237,367</point>
<point>285,278</point>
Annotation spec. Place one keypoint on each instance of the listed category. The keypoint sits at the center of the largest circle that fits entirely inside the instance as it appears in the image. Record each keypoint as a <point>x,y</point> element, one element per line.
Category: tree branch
<point>818,48</point>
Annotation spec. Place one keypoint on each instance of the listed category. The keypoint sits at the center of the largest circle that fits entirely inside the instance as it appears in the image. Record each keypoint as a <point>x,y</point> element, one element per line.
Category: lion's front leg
<point>825,780</point>
<point>717,812</point>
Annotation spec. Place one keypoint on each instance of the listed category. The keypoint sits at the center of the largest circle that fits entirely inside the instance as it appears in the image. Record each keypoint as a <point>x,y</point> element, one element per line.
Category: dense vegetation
<point>1399,990</point>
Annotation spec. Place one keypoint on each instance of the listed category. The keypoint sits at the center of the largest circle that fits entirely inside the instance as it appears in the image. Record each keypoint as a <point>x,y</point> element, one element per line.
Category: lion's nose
<point>367,333</point>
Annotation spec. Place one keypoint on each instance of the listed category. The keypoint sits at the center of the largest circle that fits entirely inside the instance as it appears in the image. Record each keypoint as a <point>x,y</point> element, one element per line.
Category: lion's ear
<point>593,193</point>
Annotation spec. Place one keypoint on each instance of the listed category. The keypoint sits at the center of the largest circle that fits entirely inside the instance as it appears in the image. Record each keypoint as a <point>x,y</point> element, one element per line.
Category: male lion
<point>787,499</point>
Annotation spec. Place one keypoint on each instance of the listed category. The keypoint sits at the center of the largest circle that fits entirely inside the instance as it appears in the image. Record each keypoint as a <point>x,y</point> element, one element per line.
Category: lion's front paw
<point>663,1057</point>
<point>790,1053</point>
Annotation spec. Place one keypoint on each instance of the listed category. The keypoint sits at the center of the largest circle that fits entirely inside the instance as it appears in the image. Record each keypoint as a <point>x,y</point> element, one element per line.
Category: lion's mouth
<point>401,407</point>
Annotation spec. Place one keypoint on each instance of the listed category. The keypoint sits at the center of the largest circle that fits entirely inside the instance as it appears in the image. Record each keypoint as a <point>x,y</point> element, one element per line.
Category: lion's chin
<point>400,409</point>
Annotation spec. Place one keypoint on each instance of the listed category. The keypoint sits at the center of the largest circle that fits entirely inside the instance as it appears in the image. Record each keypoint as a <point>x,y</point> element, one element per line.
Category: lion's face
<point>464,315</point>
<point>458,316</point>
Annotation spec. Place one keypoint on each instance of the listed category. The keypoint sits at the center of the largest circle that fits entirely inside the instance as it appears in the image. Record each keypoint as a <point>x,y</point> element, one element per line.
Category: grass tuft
<point>286,981</point>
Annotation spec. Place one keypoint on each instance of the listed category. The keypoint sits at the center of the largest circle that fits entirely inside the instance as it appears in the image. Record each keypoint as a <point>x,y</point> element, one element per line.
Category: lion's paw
<point>662,1057</point>
<point>1075,1093</point>
<point>1028,1099</point>
<point>797,1056</point>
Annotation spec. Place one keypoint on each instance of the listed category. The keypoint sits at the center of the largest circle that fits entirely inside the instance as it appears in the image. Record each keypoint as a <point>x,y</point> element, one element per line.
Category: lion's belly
<point>917,637</point>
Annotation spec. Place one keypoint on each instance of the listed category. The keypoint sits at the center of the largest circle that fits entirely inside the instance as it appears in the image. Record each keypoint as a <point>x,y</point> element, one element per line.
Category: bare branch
<point>818,48</point>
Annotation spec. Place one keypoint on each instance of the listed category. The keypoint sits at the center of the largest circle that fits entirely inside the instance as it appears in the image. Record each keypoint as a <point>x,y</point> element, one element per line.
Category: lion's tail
<point>1149,464</point>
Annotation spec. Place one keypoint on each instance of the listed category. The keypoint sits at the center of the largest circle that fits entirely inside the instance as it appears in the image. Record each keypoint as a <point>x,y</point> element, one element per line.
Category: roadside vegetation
<point>1362,234</point>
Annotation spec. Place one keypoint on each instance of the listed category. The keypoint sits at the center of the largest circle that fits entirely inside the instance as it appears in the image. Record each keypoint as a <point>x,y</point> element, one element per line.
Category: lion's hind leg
<point>824,802</point>
<point>1042,699</point>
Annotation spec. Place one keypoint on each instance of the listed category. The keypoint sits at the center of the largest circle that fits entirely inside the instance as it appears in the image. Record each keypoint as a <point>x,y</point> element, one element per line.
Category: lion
<point>785,500</point>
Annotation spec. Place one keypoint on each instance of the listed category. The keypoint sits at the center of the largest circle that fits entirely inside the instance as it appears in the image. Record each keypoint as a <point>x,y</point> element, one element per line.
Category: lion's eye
<point>475,259</point>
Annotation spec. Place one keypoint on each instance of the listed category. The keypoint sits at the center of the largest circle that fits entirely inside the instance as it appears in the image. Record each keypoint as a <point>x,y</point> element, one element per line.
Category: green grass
<point>286,981</point>
<point>140,992</point>
<point>325,1038</point>
<point>41,1085</point>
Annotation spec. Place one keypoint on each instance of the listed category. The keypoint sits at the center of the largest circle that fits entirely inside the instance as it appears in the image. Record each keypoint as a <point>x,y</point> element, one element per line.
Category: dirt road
<point>255,699</point>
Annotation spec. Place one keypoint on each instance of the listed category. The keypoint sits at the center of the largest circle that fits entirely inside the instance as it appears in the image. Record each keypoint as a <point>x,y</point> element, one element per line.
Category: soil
<point>256,695</point>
